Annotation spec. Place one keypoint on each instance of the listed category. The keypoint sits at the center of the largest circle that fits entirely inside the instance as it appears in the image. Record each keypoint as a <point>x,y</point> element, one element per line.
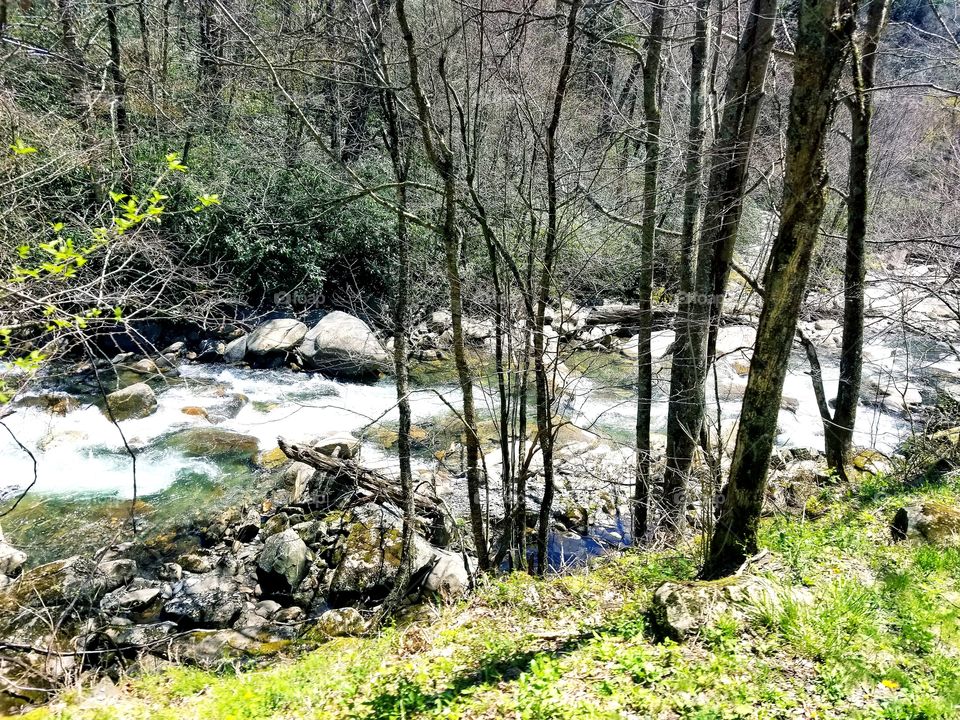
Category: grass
<point>881,640</point>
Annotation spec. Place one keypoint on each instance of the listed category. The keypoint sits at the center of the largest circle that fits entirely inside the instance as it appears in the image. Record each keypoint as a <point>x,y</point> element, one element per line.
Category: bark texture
<point>823,45</point>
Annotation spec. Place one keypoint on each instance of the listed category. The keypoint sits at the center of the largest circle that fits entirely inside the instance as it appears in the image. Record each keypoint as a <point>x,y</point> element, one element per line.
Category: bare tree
<point>823,45</point>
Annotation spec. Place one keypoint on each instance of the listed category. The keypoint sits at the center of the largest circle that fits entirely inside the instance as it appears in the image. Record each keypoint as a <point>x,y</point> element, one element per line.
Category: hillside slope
<point>881,640</point>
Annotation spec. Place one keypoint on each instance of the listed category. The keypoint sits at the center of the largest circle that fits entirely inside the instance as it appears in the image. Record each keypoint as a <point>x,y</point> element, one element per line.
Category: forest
<point>474,359</point>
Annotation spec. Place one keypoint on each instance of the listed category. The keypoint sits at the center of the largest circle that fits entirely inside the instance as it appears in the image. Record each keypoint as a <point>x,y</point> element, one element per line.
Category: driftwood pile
<point>369,485</point>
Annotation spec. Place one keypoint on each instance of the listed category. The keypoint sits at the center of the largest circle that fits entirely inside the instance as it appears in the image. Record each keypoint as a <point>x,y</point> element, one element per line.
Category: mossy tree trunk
<point>823,44</point>
<point>838,430</point>
<point>685,408</point>
<point>648,227</point>
<point>721,221</point>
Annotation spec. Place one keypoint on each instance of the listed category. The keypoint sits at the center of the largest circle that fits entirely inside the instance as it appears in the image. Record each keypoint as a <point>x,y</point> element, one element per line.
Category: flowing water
<point>84,473</point>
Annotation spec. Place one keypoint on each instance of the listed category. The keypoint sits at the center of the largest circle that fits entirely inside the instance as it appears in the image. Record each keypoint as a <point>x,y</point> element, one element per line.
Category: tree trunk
<point>838,434</point>
<point>685,409</point>
<point>209,69</point>
<point>77,71</point>
<point>441,158</point>
<point>122,127</point>
<point>544,393</point>
<point>823,44</point>
<point>145,49</point>
<point>651,173</point>
<point>721,221</point>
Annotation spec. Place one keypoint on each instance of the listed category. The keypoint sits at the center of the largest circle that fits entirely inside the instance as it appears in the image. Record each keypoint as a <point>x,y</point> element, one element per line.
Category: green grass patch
<point>881,640</point>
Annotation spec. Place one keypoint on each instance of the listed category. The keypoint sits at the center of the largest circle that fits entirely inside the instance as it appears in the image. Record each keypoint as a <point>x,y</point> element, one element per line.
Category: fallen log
<point>618,314</point>
<point>374,486</point>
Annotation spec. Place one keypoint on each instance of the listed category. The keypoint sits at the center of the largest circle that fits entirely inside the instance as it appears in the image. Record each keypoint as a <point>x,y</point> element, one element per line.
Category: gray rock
<point>117,572</point>
<point>682,609</point>
<point>296,478</point>
<point>267,608</point>
<point>232,407</point>
<point>149,367</point>
<point>283,563</point>
<point>343,446</point>
<point>211,350</point>
<point>136,401</point>
<point>207,600</point>
<point>121,601</point>
<point>249,527</point>
<point>170,571</point>
<point>449,576</point>
<point>280,335</point>
<point>439,321</point>
<point>344,345</point>
<point>11,559</point>
<point>734,338</point>
<point>312,532</point>
<point>235,350</point>
<point>346,621</point>
<point>150,636</point>
<point>290,615</point>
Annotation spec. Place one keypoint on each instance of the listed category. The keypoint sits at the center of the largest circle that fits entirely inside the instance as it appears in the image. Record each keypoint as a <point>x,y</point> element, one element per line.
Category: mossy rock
<point>136,401</point>
<point>211,649</point>
<point>213,442</point>
<point>272,458</point>
<point>872,462</point>
<point>934,522</point>
<point>387,437</point>
<point>681,609</point>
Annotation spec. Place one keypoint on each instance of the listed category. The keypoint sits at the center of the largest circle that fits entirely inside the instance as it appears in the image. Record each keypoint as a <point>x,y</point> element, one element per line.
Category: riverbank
<point>241,552</point>
<point>880,640</point>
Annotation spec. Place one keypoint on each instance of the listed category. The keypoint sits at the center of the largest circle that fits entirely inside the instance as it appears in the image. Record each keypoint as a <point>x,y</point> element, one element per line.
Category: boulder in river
<point>342,445</point>
<point>211,350</point>
<point>135,401</point>
<point>344,345</point>
<point>439,321</point>
<point>235,350</point>
<point>280,335</point>
<point>212,441</point>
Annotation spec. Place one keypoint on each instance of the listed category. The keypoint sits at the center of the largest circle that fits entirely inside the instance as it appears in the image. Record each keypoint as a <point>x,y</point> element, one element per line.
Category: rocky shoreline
<point>313,556</point>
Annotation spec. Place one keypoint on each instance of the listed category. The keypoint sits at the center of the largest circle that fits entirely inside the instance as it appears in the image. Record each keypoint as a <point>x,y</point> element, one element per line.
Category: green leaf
<point>19,148</point>
<point>173,163</point>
